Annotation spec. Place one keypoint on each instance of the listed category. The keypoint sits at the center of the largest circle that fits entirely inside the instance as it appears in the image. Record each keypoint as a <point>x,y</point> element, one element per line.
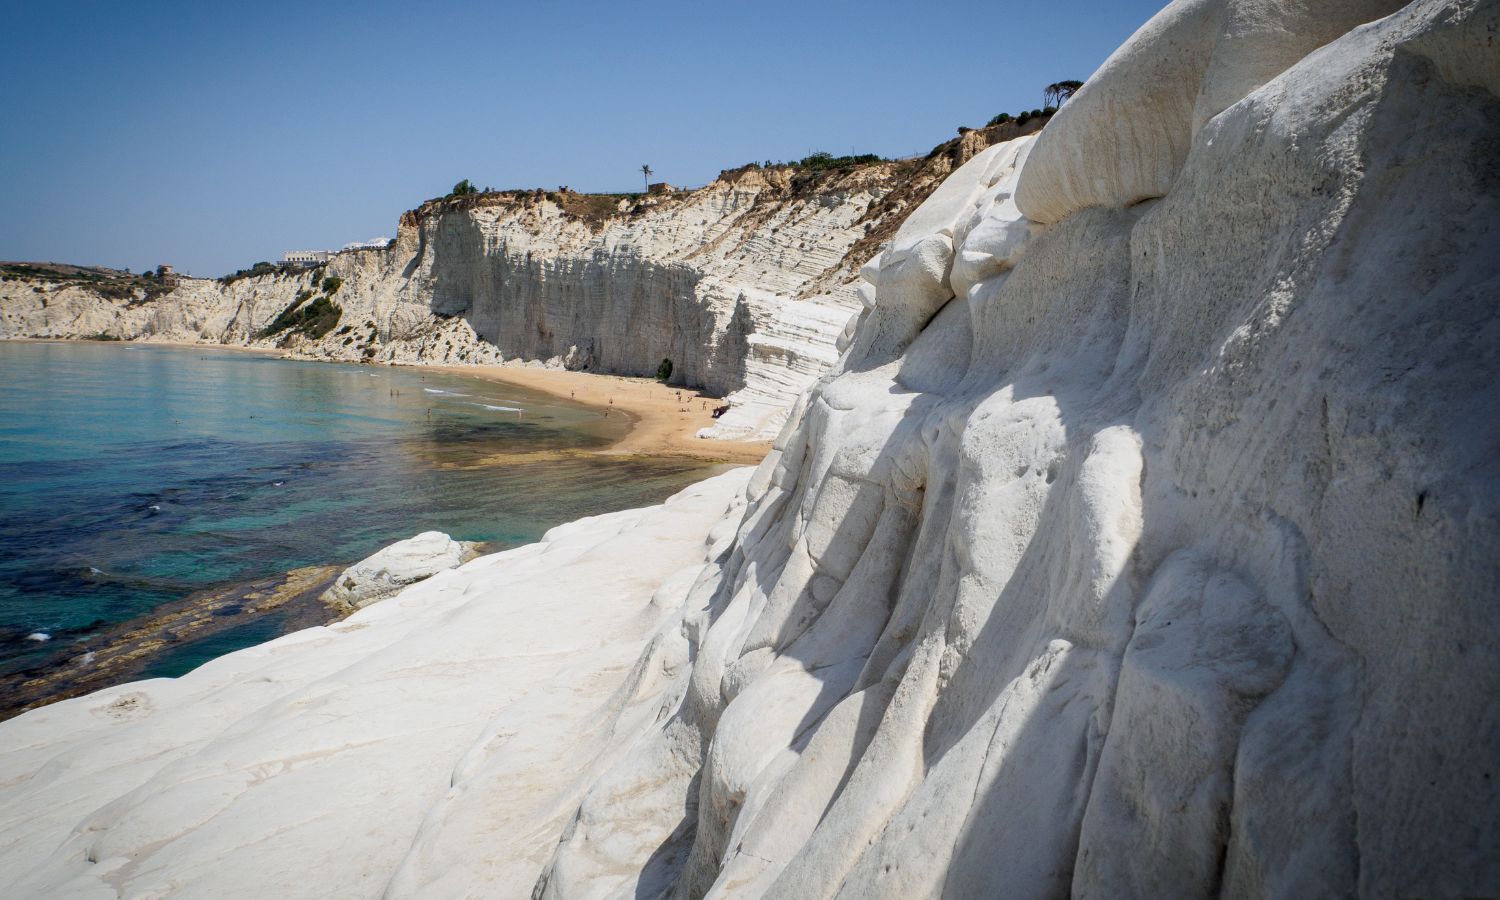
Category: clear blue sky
<point>212,135</point>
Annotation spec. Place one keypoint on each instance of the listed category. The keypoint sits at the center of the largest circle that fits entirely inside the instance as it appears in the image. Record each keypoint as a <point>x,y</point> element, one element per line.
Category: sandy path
<point>663,424</point>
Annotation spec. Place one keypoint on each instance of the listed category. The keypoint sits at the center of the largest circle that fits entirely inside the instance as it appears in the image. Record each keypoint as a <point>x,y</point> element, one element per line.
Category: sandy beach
<point>665,419</point>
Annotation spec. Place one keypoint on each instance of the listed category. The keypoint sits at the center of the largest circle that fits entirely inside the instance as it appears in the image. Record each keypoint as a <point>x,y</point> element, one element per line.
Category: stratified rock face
<point>392,568</point>
<point>1150,551</point>
<point>694,282</point>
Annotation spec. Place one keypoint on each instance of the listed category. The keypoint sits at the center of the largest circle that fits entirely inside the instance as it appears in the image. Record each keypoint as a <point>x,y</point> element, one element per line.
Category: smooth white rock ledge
<point>392,568</point>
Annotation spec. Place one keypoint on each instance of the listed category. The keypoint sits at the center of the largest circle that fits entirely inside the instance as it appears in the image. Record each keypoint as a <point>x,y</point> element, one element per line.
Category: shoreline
<point>125,651</point>
<point>661,425</point>
<point>100,656</point>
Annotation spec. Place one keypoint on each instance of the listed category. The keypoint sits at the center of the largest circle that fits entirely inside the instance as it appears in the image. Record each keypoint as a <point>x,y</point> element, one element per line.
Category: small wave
<point>448,393</point>
<point>94,571</point>
<point>155,507</point>
<point>499,408</point>
<point>278,483</point>
<point>39,636</point>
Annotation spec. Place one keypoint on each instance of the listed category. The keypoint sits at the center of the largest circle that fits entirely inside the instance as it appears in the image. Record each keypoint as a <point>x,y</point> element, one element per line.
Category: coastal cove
<point>135,478</point>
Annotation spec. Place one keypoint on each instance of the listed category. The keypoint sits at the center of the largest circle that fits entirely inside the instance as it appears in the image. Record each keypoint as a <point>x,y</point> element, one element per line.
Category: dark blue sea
<point>133,476</point>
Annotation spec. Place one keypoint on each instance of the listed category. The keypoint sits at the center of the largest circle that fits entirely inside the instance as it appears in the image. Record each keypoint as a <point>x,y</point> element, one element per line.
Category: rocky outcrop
<point>390,569</point>
<point>745,284</point>
<point>1146,548</point>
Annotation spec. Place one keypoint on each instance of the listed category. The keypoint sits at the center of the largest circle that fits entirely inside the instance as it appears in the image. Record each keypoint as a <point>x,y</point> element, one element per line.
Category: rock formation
<point>389,569</point>
<point>1143,542</point>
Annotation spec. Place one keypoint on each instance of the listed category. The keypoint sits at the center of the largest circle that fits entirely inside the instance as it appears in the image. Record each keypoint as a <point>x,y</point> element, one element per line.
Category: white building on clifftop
<point>306,257</point>
<point>379,243</point>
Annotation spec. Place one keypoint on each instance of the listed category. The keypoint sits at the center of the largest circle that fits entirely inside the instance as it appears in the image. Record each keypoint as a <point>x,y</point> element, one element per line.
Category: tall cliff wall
<point>745,284</point>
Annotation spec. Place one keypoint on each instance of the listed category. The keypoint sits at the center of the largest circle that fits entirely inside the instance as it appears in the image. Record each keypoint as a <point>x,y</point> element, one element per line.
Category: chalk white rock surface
<point>1144,543</point>
<point>388,570</point>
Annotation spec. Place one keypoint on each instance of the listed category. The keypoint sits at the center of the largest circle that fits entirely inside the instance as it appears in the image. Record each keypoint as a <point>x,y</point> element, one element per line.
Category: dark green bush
<point>315,319</point>
<point>819,162</point>
<point>320,317</point>
<point>664,371</point>
<point>331,284</point>
<point>998,120</point>
<point>255,271</point>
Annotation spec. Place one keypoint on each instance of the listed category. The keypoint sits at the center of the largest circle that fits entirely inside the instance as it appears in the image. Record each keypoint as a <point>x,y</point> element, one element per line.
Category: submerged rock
<point>392,568</point>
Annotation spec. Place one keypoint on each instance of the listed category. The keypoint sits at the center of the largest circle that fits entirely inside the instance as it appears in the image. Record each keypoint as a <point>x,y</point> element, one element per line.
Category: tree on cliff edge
<point>646,172</point>
<point>1057,94</point>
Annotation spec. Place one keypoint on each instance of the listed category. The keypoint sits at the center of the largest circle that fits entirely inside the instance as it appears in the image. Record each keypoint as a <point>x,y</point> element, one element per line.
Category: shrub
<point>819,162</point>
<point>463,189</point>
<point>315,319</point>
<point>286,318</point>
<point>664,371</point>
<point>320,317</point>
<point>998,120</point>
<point>255,271</point>
<point>331,284</point>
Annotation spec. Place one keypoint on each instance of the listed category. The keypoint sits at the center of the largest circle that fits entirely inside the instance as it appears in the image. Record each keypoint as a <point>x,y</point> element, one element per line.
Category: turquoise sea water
<point>132,476</point>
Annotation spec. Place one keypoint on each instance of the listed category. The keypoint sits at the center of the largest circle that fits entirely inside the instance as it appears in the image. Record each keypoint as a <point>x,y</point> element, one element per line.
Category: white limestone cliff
<point>1144,542</point>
